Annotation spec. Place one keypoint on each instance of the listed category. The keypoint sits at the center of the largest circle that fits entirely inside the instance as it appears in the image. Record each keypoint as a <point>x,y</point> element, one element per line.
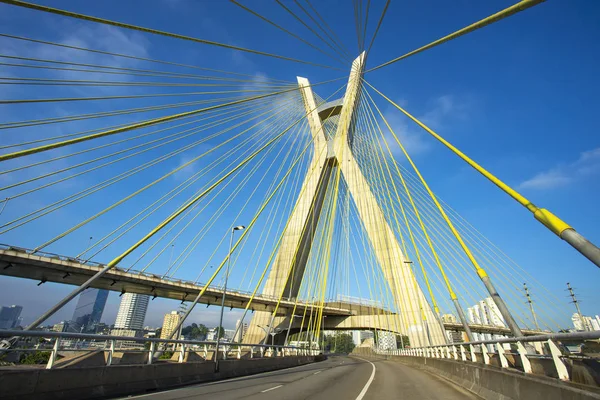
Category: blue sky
<point>517,96</point>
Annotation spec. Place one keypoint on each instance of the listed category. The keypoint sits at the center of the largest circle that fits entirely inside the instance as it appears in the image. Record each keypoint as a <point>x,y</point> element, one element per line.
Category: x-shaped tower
<point>289,265</point>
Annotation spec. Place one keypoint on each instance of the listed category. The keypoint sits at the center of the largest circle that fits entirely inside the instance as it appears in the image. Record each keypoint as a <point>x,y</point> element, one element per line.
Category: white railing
<point>525,348</point>
<point>63,342</point>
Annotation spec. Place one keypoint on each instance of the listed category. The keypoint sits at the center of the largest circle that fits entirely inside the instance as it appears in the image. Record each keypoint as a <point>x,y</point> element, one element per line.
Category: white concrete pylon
<point>297,238</point>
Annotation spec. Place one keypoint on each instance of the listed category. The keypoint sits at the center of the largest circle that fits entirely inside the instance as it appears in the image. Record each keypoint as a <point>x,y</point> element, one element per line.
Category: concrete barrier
<point>119,380</point>
<point>494,383</point>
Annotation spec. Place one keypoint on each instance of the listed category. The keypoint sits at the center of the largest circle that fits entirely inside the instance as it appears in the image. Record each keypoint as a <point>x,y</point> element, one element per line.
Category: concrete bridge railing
<point>107,350</point>
<point>538,367</point>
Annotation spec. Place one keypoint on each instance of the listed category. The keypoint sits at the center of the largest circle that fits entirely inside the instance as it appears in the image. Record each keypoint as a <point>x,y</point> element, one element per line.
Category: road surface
<point>339,377</point>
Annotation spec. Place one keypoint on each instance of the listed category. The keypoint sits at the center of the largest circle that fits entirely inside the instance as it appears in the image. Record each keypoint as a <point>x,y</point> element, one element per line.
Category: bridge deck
<point>54,268</point>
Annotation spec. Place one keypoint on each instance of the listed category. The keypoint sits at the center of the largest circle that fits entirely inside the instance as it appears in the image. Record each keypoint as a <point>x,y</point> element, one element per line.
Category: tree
<point>35,358</point>
<point>339,343</point>
<point>221,331</point>
<point>402,340</point>
<point>195,331</point>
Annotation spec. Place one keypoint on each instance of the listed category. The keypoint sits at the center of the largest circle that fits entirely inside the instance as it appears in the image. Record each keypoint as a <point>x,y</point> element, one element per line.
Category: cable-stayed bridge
<point>193,182</point>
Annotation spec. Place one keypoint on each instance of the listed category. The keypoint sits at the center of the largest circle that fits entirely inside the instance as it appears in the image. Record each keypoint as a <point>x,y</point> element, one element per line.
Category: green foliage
<point>166,355</point>
<point>221,331</point>
<point>339,343</point>
<point>195,331</point>
<point>404,341</point>
<point>38,357</point>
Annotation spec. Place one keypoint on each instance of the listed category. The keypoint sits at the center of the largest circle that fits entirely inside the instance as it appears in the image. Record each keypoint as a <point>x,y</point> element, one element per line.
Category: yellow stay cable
<point>70,14</point>
<point>130,57</point>
<point>164,139</point>
<point>53,120</point>
<point>153,182</point>
<point>418,216</point>
<point>228,81</point>
<point>334,39</point>
<point>184,185</point>
<point>149,122</point>
<point>283,29</point>
<point>345,56</point>
<point>220,113</point>
<point>387,4</point>
<point>520,6</point>
<point>480,271</point>
<point>103,184</point>
<point>402,270</point>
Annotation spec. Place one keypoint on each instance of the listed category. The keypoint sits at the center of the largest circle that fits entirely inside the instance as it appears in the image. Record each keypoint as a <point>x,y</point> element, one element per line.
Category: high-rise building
<point>386,341</point>
<point>169,324</point>
<point>89,309</point>
<point>132,311</point>
<point>9,316</point>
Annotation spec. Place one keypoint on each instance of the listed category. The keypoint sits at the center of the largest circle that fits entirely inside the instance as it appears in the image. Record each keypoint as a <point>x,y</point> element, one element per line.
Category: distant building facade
<point>386,340</point>
<point>88,310</point>
<point>587,323</point>
<point>132,311</point>
<point>170,322</point>
<point>62,326</point>
<point>10,316</point>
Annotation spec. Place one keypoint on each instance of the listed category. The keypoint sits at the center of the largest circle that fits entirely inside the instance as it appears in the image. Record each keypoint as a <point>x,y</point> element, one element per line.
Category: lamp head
<point>239,228</point>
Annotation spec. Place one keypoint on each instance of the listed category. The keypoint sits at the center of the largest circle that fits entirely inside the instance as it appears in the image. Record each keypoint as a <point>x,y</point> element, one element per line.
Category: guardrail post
<point>262,352</point>
<point>454,352</point>
<point>473,355</point>
<point>538,347</point>
<point>448,352</point>
<point>463,355</point>
<point>251,351</point>
<point>52,358</point>
<point>524,360</point>
<point>151,352</point>
<point>563,374</point>
<point>225,350</point>
<point>486,357</point>
<point>182,353</point>
<point>501,355</point>
<point>111,353</point>
<point>239,352</point>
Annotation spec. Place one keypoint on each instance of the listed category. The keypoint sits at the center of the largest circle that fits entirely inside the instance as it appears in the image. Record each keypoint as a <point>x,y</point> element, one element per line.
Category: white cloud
<point>588,164</point>
<point>441,111</point>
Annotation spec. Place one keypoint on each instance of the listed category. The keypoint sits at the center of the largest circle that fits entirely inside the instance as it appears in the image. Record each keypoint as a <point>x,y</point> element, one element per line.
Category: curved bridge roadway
<point>339,377</point>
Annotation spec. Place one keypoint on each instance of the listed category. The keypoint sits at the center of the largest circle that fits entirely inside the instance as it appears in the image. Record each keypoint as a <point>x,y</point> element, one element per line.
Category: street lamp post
<point>235,228</point>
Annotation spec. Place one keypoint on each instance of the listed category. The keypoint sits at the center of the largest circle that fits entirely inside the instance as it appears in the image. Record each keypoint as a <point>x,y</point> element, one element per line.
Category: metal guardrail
<point>181,346</point>
<point>527,347</point>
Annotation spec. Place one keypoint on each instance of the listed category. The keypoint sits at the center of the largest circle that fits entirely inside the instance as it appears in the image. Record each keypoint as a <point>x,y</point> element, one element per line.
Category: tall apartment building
<point>132,311</point>
<point>169,323</point>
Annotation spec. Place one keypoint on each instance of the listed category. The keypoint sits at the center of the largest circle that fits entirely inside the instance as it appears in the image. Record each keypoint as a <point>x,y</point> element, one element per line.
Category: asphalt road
<point>338,377</point>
